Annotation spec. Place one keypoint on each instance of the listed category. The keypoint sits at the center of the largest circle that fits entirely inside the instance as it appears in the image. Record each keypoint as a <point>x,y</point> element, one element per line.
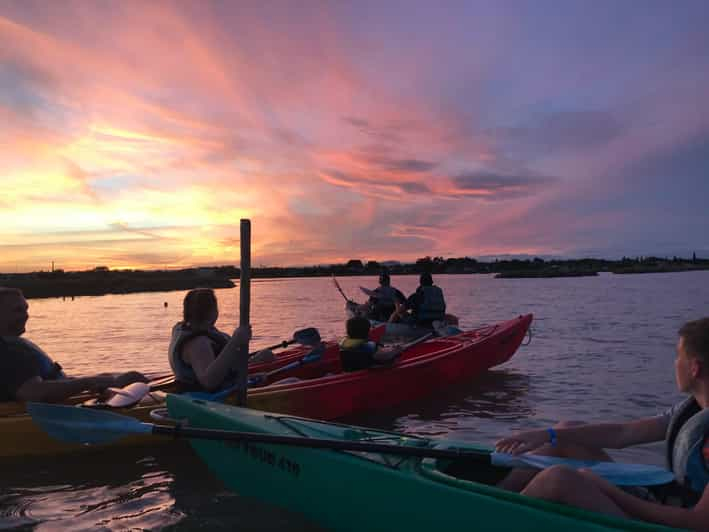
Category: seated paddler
<point>683,427</point>
<point>357,351</point>
<point>201,356</point>
<point>384,299</point>
<point>27,373</point>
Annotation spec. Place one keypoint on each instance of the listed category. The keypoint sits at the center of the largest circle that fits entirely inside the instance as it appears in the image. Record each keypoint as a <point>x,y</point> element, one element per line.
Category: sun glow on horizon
<point>141,138</point>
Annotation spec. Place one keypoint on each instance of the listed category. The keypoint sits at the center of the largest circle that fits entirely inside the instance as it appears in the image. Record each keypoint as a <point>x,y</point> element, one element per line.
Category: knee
<point>552,483</point>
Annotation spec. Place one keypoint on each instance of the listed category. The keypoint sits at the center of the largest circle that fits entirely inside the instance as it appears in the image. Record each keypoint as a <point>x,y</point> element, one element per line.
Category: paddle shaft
<point>339,288</point>
<point>88,425</point>
<point>319,443</point>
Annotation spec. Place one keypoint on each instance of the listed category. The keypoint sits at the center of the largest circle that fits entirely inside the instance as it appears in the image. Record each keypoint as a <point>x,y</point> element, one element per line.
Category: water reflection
<point>495,396</point>
<point>602,351</point>
<point>133,489</point>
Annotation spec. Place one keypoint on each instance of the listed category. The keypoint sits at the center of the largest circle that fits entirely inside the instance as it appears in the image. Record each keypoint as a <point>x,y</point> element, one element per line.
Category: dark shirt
<point>16,368</point>
<point>415,300</point>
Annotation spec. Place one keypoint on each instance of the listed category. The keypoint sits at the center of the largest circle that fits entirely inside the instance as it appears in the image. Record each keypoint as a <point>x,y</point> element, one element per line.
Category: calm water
<point>602,349</point>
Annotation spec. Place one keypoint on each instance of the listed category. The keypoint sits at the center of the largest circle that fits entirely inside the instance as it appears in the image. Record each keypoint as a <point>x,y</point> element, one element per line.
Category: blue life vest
<point>181,334</point>
<point>48,369</point>
<point>433,305</point>
<point>686,436</point>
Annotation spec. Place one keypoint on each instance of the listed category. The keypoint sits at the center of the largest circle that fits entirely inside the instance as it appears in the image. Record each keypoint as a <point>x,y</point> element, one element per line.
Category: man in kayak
<point>358,352</point>
<point>427,304</point>
<point>684,427</point>
<point>384,299</point>
<point>27,373</point>
<point>201,356</point>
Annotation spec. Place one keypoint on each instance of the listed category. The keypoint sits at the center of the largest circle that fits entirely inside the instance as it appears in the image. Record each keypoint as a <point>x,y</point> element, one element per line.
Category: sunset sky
<point>137,134</point>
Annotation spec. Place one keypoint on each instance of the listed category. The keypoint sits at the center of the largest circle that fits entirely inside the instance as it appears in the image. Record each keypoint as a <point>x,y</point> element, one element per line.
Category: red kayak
<point>320,389</point>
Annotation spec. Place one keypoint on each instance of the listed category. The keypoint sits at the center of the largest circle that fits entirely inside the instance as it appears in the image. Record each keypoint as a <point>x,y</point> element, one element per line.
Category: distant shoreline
<point>102,281</point>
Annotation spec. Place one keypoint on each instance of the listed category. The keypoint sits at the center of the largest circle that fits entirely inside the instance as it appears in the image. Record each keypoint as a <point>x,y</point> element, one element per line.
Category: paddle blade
<point>76,424</point>
<point>620,474</point>
<point>128,395</point>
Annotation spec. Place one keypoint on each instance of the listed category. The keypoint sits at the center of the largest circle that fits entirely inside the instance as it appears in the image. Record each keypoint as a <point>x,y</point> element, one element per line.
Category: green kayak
<point>355,490</point>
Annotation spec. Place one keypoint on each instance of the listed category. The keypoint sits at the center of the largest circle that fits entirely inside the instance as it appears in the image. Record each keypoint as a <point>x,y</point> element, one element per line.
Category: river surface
<point>602,349</point>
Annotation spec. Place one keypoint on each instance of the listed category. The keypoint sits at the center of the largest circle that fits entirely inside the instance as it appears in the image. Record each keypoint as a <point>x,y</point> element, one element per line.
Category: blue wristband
<point>552,436</point>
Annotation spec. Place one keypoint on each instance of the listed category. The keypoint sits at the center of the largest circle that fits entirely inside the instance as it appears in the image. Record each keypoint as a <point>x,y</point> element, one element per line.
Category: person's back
<point>356,351</point>
<point>427,304</point>
<point>201,356</point>
<point>182,334</point>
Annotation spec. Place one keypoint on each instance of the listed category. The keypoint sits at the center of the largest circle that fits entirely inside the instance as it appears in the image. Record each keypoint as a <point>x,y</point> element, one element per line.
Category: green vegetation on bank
<point>101,280</point>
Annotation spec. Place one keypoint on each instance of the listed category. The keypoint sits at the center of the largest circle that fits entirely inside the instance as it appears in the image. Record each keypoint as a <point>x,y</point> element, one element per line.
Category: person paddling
<point>200,355</point>
<point>27,373</point>
<point>384,300</point>
<point>684,427</point>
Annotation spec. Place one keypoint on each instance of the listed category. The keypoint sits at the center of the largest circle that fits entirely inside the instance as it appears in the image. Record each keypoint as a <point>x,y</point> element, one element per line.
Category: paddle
<point>368,292</point>
<point>339,288</point>
<point>260,379</point>
<point>308,336</point>
<point>84,425</point>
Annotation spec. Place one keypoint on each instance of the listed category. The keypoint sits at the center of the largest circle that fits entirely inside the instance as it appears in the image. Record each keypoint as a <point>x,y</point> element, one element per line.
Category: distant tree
<point>354,264</point>
<point>424,265</point>
<point>372,265</point>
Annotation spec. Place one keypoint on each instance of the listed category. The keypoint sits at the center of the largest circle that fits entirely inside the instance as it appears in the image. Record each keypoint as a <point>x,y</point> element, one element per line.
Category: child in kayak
<point>684,427</point>
<point>358,352</point>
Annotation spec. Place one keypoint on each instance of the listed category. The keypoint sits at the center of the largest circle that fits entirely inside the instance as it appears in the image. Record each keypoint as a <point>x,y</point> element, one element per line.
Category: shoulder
<point>15,348</point>
<point>670,412</point>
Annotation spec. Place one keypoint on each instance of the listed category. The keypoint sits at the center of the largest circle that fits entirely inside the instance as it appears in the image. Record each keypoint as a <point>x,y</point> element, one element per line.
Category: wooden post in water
<point>244,309</point>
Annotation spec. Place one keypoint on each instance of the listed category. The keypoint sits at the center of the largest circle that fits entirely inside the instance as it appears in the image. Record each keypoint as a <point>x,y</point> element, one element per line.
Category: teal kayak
<point>356,490</point>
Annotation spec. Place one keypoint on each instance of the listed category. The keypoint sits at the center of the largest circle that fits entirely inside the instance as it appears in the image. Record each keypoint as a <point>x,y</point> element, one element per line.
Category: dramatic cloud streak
<point>136,134</point>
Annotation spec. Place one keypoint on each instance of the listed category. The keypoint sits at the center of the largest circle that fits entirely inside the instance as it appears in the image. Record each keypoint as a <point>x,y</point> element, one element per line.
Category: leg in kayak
<point>553,485</point>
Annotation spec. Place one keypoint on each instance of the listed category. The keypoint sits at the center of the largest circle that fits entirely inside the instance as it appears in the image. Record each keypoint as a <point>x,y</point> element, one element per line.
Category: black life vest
<point>432,306</point>
<point>686,436</point>
<point>48,369</point>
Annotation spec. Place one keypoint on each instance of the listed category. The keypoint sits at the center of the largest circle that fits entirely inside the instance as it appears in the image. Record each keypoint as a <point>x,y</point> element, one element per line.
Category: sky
<point>138,134</point>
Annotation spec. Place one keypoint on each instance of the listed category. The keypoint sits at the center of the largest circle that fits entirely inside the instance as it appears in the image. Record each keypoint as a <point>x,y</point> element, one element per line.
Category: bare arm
<point>36,389</point>
<point>211,369</point>
<point>597,435</point>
